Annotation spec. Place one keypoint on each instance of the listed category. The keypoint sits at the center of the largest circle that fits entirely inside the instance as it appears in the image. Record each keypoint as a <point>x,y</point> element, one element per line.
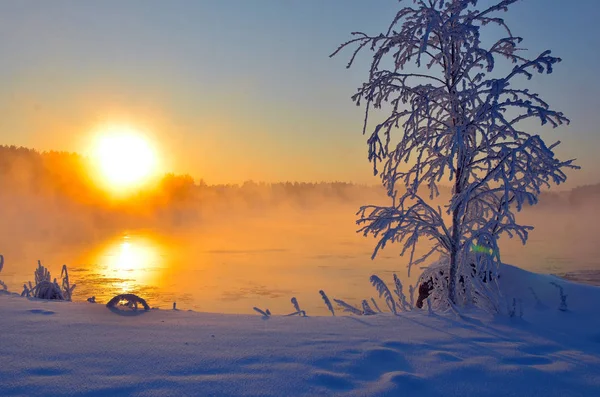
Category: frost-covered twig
<point>1,266</point>
<point>295,303</point>
<point>367,311</point>
<point>265,314</point>
<point>297,307</point>
<point>384,291</point>
<point>67,288</point>
<point>520,308</point>
<point>400,294</point>
<point>375,305</point>
<point>41,274</point>
<point>300,313</point>
<point>563,297</point>
<point>327,302</point>
<point>348,308</point>
<point>515,310</point>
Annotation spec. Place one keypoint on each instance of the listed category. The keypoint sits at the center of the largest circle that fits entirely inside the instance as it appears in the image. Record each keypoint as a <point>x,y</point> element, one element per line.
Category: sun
<point>124,157</point>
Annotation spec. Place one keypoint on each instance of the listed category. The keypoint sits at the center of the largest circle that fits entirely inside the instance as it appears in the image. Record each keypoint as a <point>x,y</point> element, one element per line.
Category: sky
<point>235,90</point>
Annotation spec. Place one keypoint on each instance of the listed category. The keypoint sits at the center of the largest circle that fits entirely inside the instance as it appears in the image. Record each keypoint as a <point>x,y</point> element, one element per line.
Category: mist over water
<point>228,248</point>
<point>232,262</point>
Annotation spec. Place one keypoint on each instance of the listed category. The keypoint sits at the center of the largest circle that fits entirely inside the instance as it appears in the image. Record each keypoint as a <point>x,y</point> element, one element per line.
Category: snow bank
<point>60,348</point>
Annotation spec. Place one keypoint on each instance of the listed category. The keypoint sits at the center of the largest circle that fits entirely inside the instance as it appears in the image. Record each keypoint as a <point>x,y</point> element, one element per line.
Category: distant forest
<point>50,193</point>
<point>68,175</point>
<point>46,192</point>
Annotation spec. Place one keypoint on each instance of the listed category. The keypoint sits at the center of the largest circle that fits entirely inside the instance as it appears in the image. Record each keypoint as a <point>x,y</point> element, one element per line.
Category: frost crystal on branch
<point>460,120</point>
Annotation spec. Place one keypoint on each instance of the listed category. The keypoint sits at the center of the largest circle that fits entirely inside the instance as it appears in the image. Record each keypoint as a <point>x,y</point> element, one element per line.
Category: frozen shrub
<point>43,288</point>
<point>46,289</point>
<point>477,285</point>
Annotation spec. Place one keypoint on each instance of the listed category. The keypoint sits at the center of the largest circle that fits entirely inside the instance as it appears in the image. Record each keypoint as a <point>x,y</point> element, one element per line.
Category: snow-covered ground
<point>59,348</point>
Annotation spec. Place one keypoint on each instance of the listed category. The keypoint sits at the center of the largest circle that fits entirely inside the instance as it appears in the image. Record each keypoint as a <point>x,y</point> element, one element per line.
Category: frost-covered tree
<point>453,112</point>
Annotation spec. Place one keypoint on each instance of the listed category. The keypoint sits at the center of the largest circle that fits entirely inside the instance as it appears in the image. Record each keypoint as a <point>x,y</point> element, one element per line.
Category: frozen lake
<point>266,259</point>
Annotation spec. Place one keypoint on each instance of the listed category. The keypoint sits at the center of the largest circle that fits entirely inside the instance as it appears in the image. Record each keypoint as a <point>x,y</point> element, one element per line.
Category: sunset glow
<point>124,158</point>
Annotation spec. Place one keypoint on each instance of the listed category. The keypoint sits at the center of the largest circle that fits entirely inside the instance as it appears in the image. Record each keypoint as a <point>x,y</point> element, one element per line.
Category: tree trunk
<point>453,258</point>
<point>458,184</point>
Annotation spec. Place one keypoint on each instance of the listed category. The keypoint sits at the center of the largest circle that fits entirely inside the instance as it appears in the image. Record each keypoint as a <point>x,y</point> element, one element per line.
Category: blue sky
<point>236,90</point>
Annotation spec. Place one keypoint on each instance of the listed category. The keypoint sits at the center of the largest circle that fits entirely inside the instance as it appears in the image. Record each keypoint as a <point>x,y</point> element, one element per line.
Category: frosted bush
<point>477,286</point>
<point>46,289</point>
